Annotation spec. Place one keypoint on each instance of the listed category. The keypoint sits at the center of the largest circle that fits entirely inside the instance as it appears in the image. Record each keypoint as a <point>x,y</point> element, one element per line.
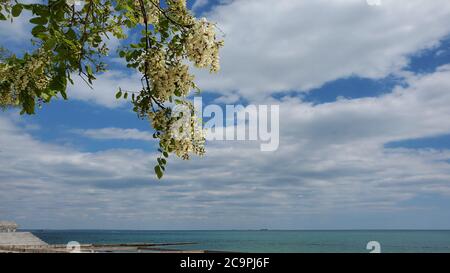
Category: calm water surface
<point>265,241</point>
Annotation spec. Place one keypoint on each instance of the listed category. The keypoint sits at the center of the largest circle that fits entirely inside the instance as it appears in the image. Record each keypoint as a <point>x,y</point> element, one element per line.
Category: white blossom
<point>202,47</point>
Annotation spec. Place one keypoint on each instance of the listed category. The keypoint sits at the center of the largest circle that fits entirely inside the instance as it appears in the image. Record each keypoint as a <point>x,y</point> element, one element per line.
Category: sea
<point>267,241</point>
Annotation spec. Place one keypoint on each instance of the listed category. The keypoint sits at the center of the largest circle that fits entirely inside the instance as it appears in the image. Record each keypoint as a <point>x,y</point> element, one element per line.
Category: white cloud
<point>273,46</point>
<point>116,133</point>
<point>331,158</point>
<point>18,31</point>
<point>331,162</point>
<point>227,98</point>
<point>419,110</point>
<point>199,4</point>
<point>105,88</point>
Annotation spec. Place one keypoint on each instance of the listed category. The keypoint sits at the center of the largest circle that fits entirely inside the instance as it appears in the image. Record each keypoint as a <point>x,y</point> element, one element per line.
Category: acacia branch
<point>147,48</point>
<point>84,35</point>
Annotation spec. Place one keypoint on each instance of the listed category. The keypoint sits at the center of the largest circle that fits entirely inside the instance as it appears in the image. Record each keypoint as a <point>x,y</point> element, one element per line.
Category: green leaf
<point>125,96</point>
<point>119,94</point>
<point>28,105</point>
<point>89,73</point>
<point>39,20</point>
<point>2,17</point>
<point>59,82</point>
<point>164,24</point>
<point>158,171</point>
<point>50,43</point>
<point>89,70</point>
<point>39,10</point>
<point>70,79</point>
<point>37,30</point>
<point>16,10</point>
<point>71,34</point>
<point>63,94</point>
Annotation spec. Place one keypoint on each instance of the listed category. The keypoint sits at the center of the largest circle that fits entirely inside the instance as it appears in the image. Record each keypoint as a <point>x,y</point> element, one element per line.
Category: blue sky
<point>364,129</point>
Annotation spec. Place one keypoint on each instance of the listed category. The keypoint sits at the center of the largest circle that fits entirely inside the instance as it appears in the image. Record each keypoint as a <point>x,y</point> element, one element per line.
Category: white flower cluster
<point>4,70</point>
<point>33,73</point>
<point>202,47</point>
<point>168,74</point>
<point>166,80</point>
<point>182,135</point>
<point>27,77</point>
<point>7,98</point>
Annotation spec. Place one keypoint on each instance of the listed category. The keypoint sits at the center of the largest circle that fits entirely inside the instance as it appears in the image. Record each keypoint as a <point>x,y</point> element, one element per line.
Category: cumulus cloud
<point>116,133</point>
<point>105,87</point>
<point>331,160</point>
<point>287,45</point>
<point>418,110</point>
<point>274,46</point>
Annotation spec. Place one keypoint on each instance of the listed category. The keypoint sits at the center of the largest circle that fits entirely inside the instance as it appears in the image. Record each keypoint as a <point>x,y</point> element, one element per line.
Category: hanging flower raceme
<point>166,79</point>
<point>202,47</point>
<point>179,132</point>
<point>24,78</point>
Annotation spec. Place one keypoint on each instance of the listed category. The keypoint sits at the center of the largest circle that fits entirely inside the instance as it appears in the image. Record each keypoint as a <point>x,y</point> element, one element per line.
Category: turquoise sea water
<point>266,241</point>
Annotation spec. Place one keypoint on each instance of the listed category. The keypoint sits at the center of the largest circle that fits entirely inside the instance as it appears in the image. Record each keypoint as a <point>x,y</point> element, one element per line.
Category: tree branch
<point>147,48</point>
